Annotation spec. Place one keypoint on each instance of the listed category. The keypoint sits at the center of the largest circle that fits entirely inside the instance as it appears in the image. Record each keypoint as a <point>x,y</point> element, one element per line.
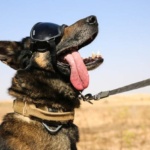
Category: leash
<point>104,94</point>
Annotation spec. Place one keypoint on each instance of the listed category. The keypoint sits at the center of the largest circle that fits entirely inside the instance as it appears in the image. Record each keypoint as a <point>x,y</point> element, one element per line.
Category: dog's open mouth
<point>70,60</point>
<point>78,35</point>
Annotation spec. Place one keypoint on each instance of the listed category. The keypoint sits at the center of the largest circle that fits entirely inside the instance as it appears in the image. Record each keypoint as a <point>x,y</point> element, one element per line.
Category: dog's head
<point>66,58</point>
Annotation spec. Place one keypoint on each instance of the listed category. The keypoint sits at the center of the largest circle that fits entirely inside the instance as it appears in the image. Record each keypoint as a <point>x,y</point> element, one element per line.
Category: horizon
<point>123,39</point>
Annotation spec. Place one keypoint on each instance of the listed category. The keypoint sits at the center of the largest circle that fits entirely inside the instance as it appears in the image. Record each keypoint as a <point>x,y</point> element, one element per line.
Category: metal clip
<point>52,131</point>
<point>86,97</point>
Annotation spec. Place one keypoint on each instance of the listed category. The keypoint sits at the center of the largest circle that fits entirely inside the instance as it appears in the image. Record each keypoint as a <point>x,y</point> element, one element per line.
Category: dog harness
<point>30,110</point>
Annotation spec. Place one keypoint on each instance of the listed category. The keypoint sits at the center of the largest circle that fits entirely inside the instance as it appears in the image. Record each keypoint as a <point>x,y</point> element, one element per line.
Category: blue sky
<point>123,40</point>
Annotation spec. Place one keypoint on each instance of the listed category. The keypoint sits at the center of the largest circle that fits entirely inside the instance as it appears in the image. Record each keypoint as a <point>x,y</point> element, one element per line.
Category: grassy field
<point>116,123</point>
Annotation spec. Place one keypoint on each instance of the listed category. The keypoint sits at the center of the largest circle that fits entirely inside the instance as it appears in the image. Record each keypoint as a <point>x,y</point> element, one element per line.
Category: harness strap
<point>126,88</point>
<point>30,110</point>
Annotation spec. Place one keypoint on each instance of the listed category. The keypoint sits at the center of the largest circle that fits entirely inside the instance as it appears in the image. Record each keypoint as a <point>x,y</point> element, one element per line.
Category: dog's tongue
<point>79,75</point>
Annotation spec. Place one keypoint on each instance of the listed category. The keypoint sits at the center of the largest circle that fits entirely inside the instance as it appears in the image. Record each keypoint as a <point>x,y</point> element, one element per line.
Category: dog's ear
<point>15,54</point>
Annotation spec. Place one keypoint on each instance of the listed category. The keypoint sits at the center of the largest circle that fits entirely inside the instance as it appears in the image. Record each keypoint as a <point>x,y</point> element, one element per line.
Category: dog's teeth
<point>93,55</point>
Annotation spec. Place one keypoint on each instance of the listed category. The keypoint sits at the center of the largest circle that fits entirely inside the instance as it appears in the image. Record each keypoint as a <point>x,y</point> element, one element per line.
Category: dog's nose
<point>91,20</point>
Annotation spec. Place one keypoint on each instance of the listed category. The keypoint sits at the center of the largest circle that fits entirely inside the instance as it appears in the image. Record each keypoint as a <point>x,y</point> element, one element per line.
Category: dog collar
<point>29,110</point>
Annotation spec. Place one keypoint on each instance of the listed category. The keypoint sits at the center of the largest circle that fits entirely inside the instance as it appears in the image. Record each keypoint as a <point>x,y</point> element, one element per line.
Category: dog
<point>48,82</point>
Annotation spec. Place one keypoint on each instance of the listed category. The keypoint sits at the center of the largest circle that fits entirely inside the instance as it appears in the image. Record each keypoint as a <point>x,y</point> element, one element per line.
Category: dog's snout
<point>91,20</point>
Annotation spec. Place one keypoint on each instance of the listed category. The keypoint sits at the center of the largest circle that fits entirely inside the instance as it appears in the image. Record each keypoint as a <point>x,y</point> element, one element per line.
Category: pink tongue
<point>79,75</point>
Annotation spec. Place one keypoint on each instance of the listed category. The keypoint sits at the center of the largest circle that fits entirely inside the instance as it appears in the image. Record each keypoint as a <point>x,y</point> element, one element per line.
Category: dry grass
<point>115,123</point>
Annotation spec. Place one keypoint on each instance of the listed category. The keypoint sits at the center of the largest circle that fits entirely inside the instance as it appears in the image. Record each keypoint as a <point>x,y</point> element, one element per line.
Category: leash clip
<point>87,98</point>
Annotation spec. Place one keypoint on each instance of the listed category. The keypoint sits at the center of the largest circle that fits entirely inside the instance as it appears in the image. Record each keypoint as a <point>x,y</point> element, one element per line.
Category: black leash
<point>104,94</point>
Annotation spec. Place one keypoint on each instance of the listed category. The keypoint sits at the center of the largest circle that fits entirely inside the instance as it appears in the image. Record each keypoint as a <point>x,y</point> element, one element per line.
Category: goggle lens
<point>45,31</point>
<point>42,33</point>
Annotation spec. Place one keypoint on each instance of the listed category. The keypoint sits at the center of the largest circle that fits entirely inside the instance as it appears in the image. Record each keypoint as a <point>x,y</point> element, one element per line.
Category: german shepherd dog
<point>47,86</point>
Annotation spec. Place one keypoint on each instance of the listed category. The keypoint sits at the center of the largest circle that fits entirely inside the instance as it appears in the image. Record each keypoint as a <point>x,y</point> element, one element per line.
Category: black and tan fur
<point>42,85</point>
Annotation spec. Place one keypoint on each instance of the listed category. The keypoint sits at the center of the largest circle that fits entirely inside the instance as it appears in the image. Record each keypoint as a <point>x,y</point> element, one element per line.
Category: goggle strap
<point>53,52</point>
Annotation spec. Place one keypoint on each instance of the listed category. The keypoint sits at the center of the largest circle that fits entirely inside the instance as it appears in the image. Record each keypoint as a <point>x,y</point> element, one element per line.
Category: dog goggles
<point>45,35</point>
